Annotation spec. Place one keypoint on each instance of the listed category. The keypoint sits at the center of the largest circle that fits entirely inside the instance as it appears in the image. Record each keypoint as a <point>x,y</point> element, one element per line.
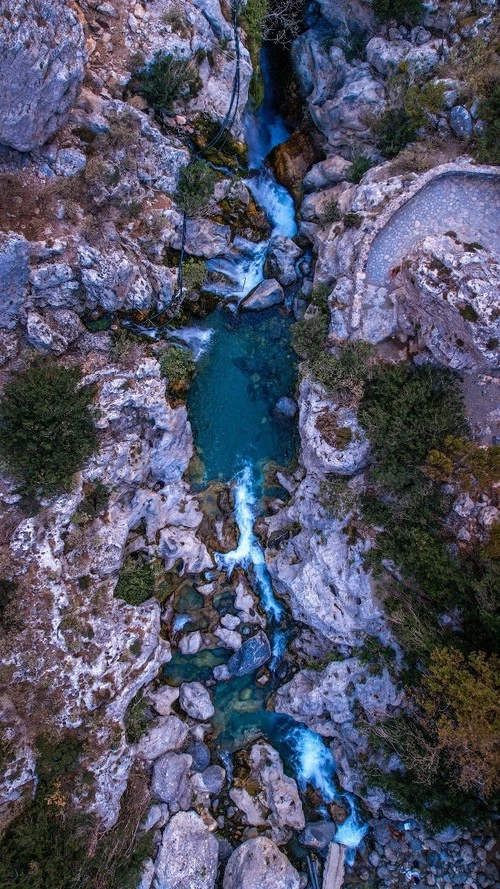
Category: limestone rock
<point>14,272</point>
<point>253,654</point>
<point>69,162</point>
<point>461,122</point>
<point>195,700</point>
<point>163,698</point>
<point>188,855</point>
<point>169,781</point>
<point>333,874</point>
<point>328,172</point>
<point>169,734</point>
<point>317,834</point>
<point>42,56</point>
<point>292,159</point>
<point>282,255</point>
<point>265,295</point>
<point>319,451</point>
<point>258,864</point>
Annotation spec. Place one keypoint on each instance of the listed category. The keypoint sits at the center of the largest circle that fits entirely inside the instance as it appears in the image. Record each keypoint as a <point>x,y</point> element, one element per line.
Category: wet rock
<point>318,834</point>
<point>195,700</point>
<point>213,779</point>
<point>265,295</point>
<point>292,159</point>
<point>41,69</point>
<point>14,273</point>
<point>333,874</point>
<point>287,406</point>
<point>169,734</point>
<point>169,781</point>
<point>163,698</point>
<point>188,855</point>
<point>259,864</point>
<point>282,255</point>
<point>461,122</point>
<point>253,654</point>
<point>200,755</point>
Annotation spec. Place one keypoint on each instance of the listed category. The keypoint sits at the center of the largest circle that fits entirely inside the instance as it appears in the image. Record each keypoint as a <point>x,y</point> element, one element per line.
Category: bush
<point>331,212</point>
<point>309,335</point>
<point>194,274</point>
<point>46,430</point>
<point>196,187</point>
<point>408,11</point>
<point>178,366</point>
<point>344,375</point>
<point>489,111</point>
<point>353,220</point>
<point>135,583</point>
<point>394,129</point>
<point>166,80</point>
<point>358,168</point>
<point>95,501</point>
<point>136,718</point>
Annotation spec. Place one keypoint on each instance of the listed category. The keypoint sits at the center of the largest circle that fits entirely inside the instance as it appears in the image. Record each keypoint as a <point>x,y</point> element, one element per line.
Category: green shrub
<point>253,20</point>
<point>135,583</point>
<point>408,11</point>
<point>178,367</point>
<point>394,129</point>
<point>344,374</point>
<point>194,274</point>
<point>46,430</point>
<point>166,80</point>
<point>488,145</point>
<point>331,212</point>
<point>353,220</point>
<point>95,501</point>
<point>309,335</point>
<point>196,187</point>
<point>358,168</point>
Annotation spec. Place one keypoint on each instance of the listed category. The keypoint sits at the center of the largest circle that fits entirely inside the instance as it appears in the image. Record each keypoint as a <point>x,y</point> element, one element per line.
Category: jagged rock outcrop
<point>188,855</point>
<point>259,864</point>
<point>42,57</point>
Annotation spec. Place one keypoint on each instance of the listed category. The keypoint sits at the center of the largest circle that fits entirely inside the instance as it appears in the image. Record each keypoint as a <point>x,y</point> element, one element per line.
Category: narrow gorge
<point>250,444</point>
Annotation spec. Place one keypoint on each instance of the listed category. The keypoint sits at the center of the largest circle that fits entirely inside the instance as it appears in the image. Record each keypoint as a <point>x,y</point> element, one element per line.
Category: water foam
<point>196,338</point>
<point>249,553</point>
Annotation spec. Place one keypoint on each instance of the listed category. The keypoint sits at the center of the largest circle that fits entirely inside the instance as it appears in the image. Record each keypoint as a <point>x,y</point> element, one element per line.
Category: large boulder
<point>265,295</point>
<point>169,781</point>
<point>259,864</point>
<point>253,654</point>
<point>42,56</point>
<point>14,272</point>
<point>282,255</point>
<point>195,700</point>
<point>188,855</point>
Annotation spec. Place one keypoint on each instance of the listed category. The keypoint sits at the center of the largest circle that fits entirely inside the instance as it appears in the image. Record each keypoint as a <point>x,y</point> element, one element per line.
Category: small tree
<point>46,428</point>
<point>166,80</point>
<point>196,187</point>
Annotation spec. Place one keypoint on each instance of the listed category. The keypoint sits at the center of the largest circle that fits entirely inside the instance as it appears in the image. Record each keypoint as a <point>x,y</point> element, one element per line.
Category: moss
<point>468,313</point>
<point>136,718</point>
<point>330,212</point>
<point>253,19</point>
<point>353,220</point>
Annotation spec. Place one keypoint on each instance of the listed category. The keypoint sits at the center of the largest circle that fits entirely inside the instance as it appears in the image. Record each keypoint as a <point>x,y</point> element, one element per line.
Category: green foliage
<point>95,501</point>
<point>488,147</point>
<point>253,20</point>
<point>309,335</point>
<point>358,168</point>
<point>406,411</point>
<point>7,590</point>
<point>196,187</point>
<point>336,496</point>
<point>375,654</point>
<point>194,274</point>
<point>166,80</point>
<point>353,220</point>
<point>423,97</point>
<point>407,11</point>
<point>344,374</point>
<point>178,366</point>
<point>46,430</point>
<point>136,718</point>
<point>394,129</point>
<point>135,583</point>
<point>331,212</point>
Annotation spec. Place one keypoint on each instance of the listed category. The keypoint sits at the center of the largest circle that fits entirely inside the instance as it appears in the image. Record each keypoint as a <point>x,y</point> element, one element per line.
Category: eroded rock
<point>259,864</point>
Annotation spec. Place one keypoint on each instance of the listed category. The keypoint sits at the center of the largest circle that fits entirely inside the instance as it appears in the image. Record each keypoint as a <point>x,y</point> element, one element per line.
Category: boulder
<point>169,781</point>
<point>317,834</point>
<point>195,700</point>
<point>259,864</point>
<point>461,122</point>
<point>191,643</point>
<point>200,755</point>
<point>14,273</point>
<point>69,162</point>
<point>213,779</point>
<point>292,159</point>
<point>163,698</point>
<point>42,56</point>
<point>269,293</point>
<point>188,854</point>
<point>169,734</point>
<point>385,55</point>
<point>282,255</point>
<point>253,654</point>
<point>333,874</point>
<point>287,406</point>
<point>328,172</point>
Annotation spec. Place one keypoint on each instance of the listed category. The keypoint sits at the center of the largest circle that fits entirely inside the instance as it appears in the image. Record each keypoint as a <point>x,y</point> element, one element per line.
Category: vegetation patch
<point>196,187</point>
<point>177,365</point>
<point>395,128</point>
<point>336,496</point>
<point>407,11</point>
<point>136,582</point>
<point>166,80</point>
<point>358,168</point>
<point>47,431</point>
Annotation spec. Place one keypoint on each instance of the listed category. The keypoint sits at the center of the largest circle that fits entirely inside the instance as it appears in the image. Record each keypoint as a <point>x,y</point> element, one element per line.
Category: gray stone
<point>200,755</point>
<point>269,293</point>
<point>163,698</point>
<point>318,834</point>
<point>169,734</point>
<point>188,855</point>
<point>169,781</point>
<point>195,700</point>
<point>42,60</point>
<point>14,272</point>
<point>191,643</point>
<point>253,654</point>
<point>282,255</point>
<point>287,406</point>
<point>213,779</point>
<point>328,172</point>
<point>259,864</point>
<point>42,336</point>
<point>69,162</point>
<point>461,122</point>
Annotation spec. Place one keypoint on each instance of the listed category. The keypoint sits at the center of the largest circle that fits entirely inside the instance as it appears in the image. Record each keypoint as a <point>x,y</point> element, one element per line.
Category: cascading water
<point>245,365</point>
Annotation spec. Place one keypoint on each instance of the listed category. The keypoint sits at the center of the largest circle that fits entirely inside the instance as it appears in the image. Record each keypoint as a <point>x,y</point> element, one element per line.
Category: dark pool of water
<point>247,368</point>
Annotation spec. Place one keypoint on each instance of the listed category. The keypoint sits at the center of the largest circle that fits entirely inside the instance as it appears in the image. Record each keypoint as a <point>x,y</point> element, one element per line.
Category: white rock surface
<point>259,864</point>
<point>188,855</point>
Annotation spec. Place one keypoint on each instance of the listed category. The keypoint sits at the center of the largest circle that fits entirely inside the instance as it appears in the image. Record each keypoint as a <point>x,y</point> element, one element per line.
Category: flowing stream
<point>245,364</point>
